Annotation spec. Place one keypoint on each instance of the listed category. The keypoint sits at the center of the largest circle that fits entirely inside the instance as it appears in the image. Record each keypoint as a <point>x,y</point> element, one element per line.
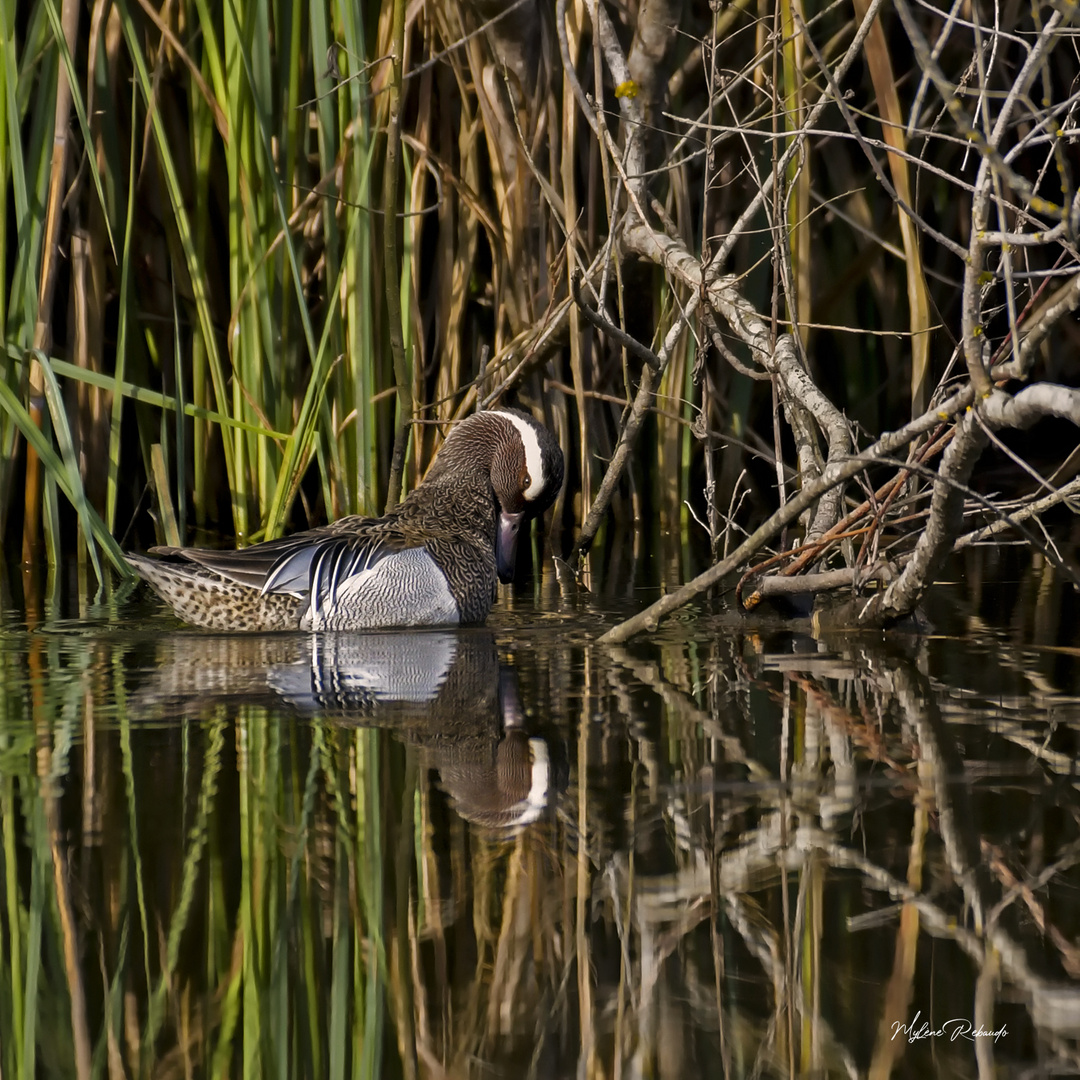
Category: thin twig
<point>609,329</point>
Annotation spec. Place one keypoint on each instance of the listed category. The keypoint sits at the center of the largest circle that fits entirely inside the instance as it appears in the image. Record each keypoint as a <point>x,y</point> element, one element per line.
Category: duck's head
<point>526,471</point>
<point>526,475</point>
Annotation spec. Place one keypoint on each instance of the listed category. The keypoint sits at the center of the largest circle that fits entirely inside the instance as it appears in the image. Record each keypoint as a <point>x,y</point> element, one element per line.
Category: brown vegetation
<point>306,237</point>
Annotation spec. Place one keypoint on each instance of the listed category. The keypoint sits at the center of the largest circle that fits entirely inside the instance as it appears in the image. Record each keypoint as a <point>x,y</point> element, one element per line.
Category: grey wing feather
<point>292,564</point>
<point>246,566</point>
<point>321,567</point>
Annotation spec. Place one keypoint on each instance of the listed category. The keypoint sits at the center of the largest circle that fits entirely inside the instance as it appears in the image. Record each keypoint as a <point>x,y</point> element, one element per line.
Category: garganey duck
<point>433,560</point>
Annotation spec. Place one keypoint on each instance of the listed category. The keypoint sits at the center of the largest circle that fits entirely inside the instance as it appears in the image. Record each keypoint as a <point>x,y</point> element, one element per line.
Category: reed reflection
<point>477,855</point>
<point>445,693</point>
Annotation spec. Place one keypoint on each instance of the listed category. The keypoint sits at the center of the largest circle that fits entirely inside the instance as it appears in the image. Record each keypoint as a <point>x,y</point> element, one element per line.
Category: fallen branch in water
<point>955,432</point>
<point>899,599</point>
<point>835,474</point>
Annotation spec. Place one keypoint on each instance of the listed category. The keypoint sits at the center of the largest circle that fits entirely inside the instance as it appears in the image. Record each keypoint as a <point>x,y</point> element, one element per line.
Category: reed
<point>262,274</point>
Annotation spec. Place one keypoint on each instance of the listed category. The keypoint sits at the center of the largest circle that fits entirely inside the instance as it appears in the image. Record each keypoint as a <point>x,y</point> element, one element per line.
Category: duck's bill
<point>506,545</point>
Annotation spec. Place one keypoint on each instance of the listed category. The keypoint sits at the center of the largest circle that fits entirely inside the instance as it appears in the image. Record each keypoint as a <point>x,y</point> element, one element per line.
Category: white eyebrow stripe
<point>534,460</point>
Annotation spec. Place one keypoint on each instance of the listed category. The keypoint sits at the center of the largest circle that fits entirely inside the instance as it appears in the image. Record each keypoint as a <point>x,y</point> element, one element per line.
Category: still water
<point>727,849</point>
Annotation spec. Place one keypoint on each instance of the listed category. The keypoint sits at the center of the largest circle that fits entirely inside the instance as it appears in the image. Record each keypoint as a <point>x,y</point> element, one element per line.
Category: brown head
<point>525,467</point>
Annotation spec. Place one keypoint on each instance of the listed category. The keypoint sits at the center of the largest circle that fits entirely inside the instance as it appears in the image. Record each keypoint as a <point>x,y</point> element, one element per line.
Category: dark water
<point>724,850</point>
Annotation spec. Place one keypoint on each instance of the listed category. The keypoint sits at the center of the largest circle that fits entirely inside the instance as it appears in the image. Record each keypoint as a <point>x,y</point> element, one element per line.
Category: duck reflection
<point>445,693</point>
<point>471,727</point>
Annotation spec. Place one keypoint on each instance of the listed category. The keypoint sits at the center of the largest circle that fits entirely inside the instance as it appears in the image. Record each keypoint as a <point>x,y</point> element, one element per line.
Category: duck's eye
<point>526,482</point>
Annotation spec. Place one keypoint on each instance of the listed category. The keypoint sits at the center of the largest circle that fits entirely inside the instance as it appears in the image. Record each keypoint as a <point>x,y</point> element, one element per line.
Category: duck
<point>436,559</point>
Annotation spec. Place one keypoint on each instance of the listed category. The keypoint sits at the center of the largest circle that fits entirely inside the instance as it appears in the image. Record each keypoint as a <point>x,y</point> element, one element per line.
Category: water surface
<point>727,849</point>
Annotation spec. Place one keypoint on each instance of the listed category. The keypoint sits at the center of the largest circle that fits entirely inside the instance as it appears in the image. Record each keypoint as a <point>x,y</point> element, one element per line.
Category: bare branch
<point>834,474</point>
